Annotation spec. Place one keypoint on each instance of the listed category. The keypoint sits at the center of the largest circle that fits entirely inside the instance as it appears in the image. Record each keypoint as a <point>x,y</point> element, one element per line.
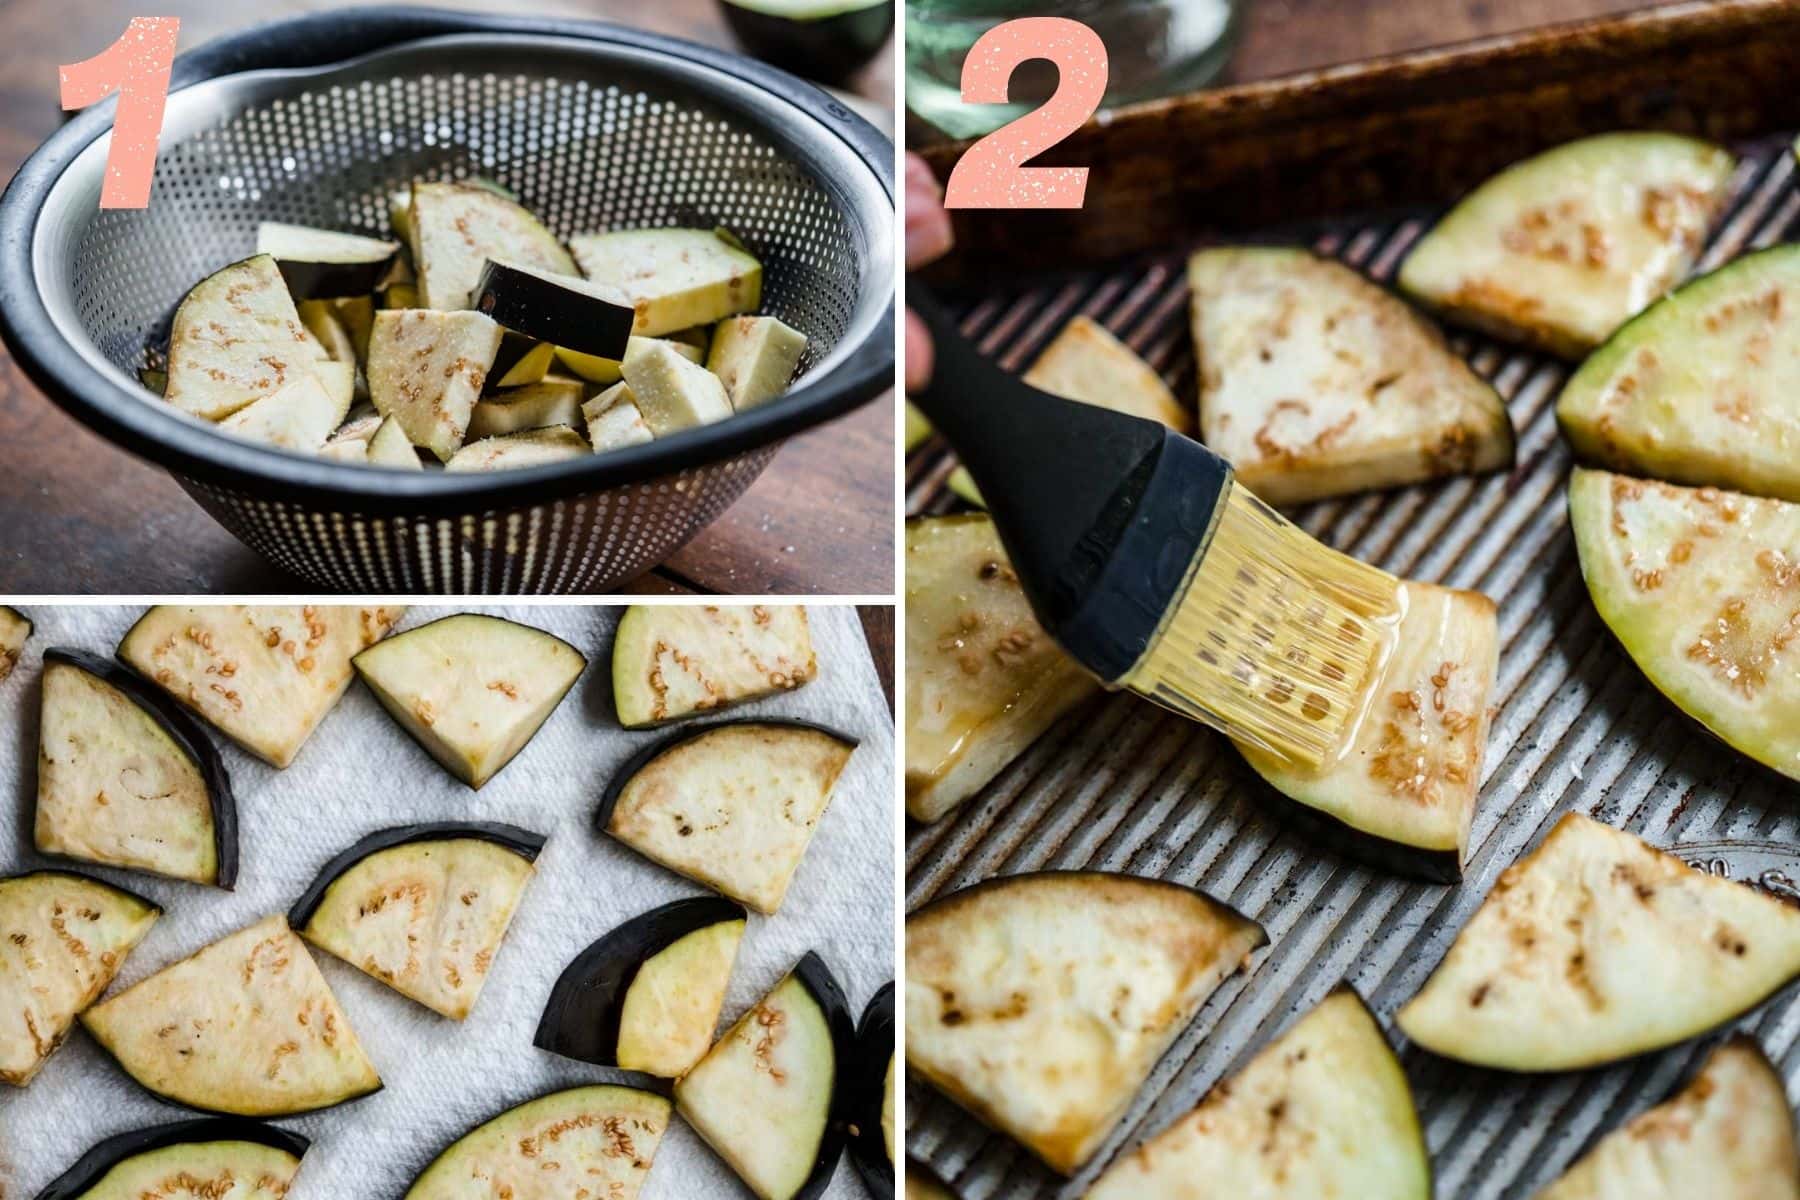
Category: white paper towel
<point>360,773</point>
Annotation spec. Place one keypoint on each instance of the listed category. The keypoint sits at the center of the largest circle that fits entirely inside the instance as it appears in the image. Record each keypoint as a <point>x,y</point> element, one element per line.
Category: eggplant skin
<point>869,1104</point>
<point>1041,1002</point>
<point>239,1143</point>
<point>584,1016</point>
<point>522,842</point>
<point>1596,947</point>
<point>186,736</point>
<point>829,49</point>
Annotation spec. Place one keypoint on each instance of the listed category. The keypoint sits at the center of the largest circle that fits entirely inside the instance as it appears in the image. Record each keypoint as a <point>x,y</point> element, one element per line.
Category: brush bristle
<point>1277,639</point>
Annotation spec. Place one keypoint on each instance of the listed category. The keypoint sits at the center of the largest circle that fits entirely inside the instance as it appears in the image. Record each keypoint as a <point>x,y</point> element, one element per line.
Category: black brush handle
<point>1102,513</point>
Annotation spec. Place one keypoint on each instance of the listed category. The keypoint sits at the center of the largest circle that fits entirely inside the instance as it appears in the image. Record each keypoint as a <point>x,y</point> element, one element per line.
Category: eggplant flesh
<point>983,679</point>
<point>672,662</point>
<point>236,338</point>
<point>527,448</point>
<point>15,631</point>
<point>128,779</point>
<point>754,357</point>
<point>215,1158</point>
<point>50,973</point>
<point>1727,1135</point>
<point>264,676</point>
<point>247,1026</point>
<point>763,1097</point>
<point>454,229</point>
<point>1703,388</point>
<point>1040,1003</point>
<point>1324,1110</point>
<point>1595,947</point>
<point>732,806</point>
<point>326,264</point>
<point>921,1185</point>
<point>647,996</point>
<point>1702,588</point>
<point>675,278</point>
<point>471,690</point>
<point>423,909</point>
<point>671,391</point>
<point>597,1141</point>
<point>427,369</point>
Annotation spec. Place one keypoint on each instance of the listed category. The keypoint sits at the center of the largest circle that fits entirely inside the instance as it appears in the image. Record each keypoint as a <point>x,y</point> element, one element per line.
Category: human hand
<point>928,237</point>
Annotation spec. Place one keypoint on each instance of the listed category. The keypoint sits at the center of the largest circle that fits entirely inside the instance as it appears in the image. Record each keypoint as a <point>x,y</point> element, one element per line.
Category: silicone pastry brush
<point>1155,570</point>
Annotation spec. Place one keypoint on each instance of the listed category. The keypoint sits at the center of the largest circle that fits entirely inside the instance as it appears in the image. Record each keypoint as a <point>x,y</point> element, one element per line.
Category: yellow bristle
<point>1277,639</point>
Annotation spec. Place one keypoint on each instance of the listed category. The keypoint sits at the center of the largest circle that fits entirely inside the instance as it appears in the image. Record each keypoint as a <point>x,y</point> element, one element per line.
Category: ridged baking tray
<point>1119,785</point>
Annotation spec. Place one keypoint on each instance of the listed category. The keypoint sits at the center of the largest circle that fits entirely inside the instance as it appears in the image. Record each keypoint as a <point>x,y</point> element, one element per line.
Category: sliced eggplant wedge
<point>1595,947</point>
<point>63,937</point>
<point>530,448</point>
<point>1086,362</point>
<point>236,338</point>
<point>264,676</point>
<point>422,908</point>
<point>647,996</point>
<point>454,229</point>
<point>556,307</point>
<point>472,690</point>
<point>614,420</point>
<point>608,370</point>
<point>671,391</point>
<point>535,406</point>
<point>1315,382</point>
<point>594,1141</point>
<point>427,369</point>
<point>323,263</point>
<point>1704,387</point>
<point>214,1158</point>
<point>763,1098</point>
<point>1404,793</point>
<point>669,663</point>
<point>731,806</point>
<point>520,362</point>
<point>1702,588</point>
<point>1558,251</point>
<point>1728,1134</point>
<point>675,278</point>
<point>127,778</point>
<point>755,357</point>
<point>872,1101</point>
<point>983,680</point>
<point>15,631</point>
<point>1323,1110</point>
<point>246,1027</point>
<point>918,428</point>
<point>300,416</point>
<point>357,315</point>
<point>390,447</point>
<point>1040,1003</point>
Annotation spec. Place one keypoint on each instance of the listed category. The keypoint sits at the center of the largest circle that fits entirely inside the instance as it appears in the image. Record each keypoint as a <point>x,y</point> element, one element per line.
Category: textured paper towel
<point>360,773</point>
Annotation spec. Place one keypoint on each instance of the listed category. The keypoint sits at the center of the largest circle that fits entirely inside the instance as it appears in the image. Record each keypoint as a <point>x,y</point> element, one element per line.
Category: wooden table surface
<point>82,517</point>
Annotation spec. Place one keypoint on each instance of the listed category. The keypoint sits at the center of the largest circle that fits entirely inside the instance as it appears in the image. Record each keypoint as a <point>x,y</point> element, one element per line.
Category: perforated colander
<point>315,121</point>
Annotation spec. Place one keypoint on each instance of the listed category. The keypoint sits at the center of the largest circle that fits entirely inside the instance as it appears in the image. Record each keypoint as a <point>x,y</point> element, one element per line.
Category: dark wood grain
<point>82,517</point>
<point>878,627</point>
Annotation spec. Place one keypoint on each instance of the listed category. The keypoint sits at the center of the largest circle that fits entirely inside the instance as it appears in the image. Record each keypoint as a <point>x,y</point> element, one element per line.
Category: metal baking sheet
<point>1121,786</point>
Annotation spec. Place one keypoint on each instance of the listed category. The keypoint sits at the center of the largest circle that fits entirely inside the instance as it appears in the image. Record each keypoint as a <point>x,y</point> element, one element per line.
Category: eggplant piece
<point>672,392</point>
<point>918,428</point>
<point>1403,795</point>
<point>321,320</point>
<point>1703,387</point>
<point>609,370</point>
<point>669,663</point>
<point>454,229</point>
<point>825,40</point>
<point>246,1027</point>
<point>605,1136</point>
<point>1699,587</point>
<point>763,1098</point>
<point>921,1184</point>
<point>983,680</point>
<point>872,1100</point>
<point>559,308</point>
<point>422,908</point>
<point>323,263</point>
<point>528,448</point>
<point>471,690</point>
<point>1040,1002</point>
<point>1559,250</point>
<point>1315,382</point>
<point>357,315</point>
<point>647,996</point>
<point>216,1158</point>
<point>236,338</point>
<point>351,450</point>
<point>359,425</point>
<point>127,778</point>
<point>1727,1135</point>
<point>732,805</point>
<point>390,447</point>
<point>15,631</point>
<point>754,357</point>
<point>675,278</point>
<point>427,369</point>
<point>521,362</point>
<point>1595,947</point>
<point>1323,1110</point>
<point>534,406</point>
<point>50,973</point>
<point>614,420</point>
<point>298,417</point>
<point>264,676</point>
